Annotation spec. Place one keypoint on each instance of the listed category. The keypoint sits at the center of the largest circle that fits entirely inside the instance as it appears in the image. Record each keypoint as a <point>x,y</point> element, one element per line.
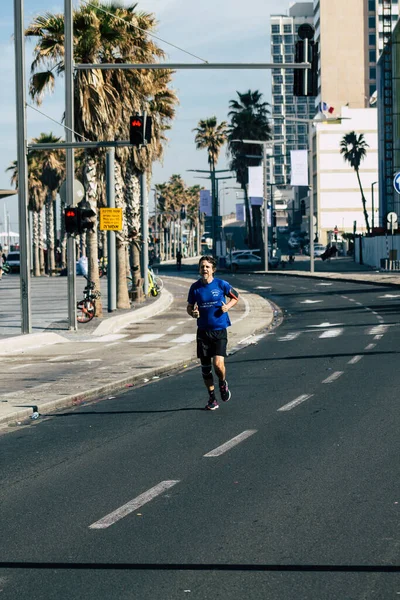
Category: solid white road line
<point>134,504</point>
<point>355,359</point>
<point>295,402</point>
<point>228,445</point>
<point>333,377</point>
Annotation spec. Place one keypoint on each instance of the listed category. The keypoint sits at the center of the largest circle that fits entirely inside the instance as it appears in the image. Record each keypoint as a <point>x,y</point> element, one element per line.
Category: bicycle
<point>86,308</point>
<point>103,267</point>
<point>156,284</point>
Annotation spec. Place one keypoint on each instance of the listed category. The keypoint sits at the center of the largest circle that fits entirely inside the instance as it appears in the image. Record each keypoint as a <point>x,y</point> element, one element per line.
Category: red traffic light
<point>72,220</point>
<point>136,123</point>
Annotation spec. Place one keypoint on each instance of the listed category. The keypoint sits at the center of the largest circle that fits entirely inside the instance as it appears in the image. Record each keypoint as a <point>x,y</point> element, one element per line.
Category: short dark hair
<point>209,259</point>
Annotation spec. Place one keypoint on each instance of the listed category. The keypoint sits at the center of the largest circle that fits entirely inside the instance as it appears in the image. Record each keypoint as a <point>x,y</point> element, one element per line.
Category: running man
<point>206,303</point>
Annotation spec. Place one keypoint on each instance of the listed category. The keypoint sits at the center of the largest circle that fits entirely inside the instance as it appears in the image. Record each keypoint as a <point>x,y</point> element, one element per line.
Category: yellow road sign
<point>111,219</point>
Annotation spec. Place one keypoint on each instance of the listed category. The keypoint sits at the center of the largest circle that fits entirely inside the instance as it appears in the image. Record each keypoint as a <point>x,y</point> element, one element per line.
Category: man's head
<point>207,267</point>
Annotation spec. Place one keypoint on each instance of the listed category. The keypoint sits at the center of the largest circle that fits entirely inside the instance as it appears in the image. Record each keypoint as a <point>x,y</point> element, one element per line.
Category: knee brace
<point>206,370</point>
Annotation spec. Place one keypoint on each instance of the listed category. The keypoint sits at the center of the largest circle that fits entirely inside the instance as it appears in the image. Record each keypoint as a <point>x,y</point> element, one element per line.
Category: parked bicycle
<point>86,308</point>
<point>103,267</point>
<point>156,284</point>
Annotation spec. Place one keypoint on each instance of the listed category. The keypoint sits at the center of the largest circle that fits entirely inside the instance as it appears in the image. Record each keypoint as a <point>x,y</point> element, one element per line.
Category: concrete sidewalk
<point>44,372</point>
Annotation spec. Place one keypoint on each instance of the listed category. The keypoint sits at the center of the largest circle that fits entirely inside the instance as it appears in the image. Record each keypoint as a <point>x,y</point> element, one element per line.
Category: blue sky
<point>215,30</point>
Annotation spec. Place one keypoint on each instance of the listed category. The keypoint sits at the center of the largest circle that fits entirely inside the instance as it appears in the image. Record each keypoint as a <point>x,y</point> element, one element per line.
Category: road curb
<point>327,277</point>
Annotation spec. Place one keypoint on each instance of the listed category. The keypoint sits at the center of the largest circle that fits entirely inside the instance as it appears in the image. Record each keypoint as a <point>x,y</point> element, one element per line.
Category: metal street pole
<point>25,285</point>
<point>311,191</point>
<point>265,203</point>
<point>145,231</point>
<point>111,235</point>
<point>69,173</point>
<point>373,207</point>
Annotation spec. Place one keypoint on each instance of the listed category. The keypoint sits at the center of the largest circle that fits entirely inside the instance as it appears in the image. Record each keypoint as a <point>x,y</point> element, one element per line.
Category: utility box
<point>393,254</point>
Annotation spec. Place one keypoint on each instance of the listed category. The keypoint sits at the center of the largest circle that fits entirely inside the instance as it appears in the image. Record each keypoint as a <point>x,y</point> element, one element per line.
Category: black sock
<point>211,393</point>
<point>222,382</point>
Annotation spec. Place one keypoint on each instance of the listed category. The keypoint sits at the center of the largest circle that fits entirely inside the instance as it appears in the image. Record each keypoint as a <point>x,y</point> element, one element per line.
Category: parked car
<point>319,249</point>
<point>246,260</point>
<point>13,260</point>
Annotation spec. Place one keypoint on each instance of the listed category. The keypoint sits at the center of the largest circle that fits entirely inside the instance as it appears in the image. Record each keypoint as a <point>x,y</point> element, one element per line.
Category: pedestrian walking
<point>207,303</point>
<point>179,259</point>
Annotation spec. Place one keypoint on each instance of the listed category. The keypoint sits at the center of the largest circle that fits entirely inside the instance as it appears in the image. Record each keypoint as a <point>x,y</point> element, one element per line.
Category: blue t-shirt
<point>209,298</point>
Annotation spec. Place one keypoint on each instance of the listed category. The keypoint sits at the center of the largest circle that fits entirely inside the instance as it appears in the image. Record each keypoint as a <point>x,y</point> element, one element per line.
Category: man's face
<point>206,270</point>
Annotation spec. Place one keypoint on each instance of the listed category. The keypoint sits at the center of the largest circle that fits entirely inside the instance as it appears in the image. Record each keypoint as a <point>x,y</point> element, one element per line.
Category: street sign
<point>110,219</point>
<point>79,191</point>
<point>391,217</point>
<point>396,182</point>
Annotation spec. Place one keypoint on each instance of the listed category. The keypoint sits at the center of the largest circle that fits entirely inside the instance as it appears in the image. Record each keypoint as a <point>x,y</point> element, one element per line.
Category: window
<point>276,89</point>
<point>276,50</point>
<point>372,73</point>
<point>371,22</point>
<point>289,100</point>
<point>277,129</point>
<point>275,29</point>
<point>302,109</point>
<point>278,59</point>
<point>372,56</point>
<point>372,39</point>
<point>289,58</point>
<point>278,169</point>
<point>289,49</point>
<point>290,110</point>
<point>288,39</point>
<point>278,79</point>
<point>276,39</point>
<point>277,110</point>
<point>278,99</point>
<point>287,28</point>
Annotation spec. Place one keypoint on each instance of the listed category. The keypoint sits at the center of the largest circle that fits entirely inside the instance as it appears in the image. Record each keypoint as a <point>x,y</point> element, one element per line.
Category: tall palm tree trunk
<point>364,203</point>
<point>50,234</point>
<point>122,288</point>
<point>35,244</point>
<point>90,172</point>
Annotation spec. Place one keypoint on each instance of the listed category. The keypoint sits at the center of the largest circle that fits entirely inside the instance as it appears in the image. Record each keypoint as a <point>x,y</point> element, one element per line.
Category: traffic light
<point>137,130</point>
<point>87,216</point>
<point>306,51</point>
<point>302,208</point>
<point>274,218</point>
<point>72,219</point>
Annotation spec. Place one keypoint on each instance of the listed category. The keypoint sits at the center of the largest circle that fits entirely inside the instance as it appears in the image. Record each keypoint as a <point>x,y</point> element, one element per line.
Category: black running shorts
<point>211,342</point>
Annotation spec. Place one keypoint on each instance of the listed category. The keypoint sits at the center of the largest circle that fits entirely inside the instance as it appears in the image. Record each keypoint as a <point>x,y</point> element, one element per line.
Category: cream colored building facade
<point>336,188</point>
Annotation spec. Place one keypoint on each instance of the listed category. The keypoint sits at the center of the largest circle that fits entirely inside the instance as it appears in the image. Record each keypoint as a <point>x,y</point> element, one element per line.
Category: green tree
<point>211,135</point>
<point>104,100</point>
<point>354,149</point>
<point>248,120</point>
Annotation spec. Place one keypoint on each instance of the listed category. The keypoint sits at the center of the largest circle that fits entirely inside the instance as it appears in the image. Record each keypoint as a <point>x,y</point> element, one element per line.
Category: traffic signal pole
<point>111,240</point>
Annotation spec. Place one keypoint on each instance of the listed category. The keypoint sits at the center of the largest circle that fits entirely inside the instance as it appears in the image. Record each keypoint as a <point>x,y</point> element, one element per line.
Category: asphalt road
<point>118,499</point>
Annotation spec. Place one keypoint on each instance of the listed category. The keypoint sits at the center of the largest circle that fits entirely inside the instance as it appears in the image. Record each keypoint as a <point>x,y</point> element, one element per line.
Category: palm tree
<point>354,150</point>
<point>248,120</point>
<point>212,136</point>
<point>103,100</point>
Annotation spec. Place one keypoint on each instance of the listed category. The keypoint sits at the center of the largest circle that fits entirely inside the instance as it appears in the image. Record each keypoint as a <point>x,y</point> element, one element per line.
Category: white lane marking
<point>84,351</point>
<point>390,296</point>
<point>333,377</point>
<point>134,504</point>
<point>378,337</point>
<point>324,283</point>
<point>231,443</point>
<point>331,333</point>
<point>171,328</point>
<point>355,359</point>
<point>246,311</point>
<point>251,339</point>
<point>263,287</point>
<point>182,322</point>
<point>326,325</point>
<point>290,336</point>
<point>378,329</point>
<point>111,337</point>
<point>146,337</point>
<point>19,367</point>
<point>295,402</point>
<point>311,302</point>
<point>184,339</point>
<point>352,300</point>
<point>112,344</point>
<point>370,346</point>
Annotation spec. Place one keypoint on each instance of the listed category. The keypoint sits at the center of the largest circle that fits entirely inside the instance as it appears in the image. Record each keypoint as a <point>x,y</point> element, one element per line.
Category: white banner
<point>255,182</point>
<point>240,214</point>
<point>205,202</point>
<point>299,167</point>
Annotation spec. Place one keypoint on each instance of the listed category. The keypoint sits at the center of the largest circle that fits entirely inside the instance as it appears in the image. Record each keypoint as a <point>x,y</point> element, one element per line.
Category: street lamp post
<point>373,207</point>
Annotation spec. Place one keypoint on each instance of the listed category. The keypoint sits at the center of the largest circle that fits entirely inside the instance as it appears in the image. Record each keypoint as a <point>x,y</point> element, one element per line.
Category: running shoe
<point>225,392</point>
<point>212,404</point>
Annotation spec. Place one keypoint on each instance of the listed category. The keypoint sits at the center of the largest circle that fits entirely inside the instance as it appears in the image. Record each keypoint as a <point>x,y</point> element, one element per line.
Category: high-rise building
<point>380,19</point>
<point>287,135</point>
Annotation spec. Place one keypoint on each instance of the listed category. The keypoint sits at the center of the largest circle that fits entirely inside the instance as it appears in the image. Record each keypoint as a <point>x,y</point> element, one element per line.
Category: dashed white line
<point>134,504</point>
<point>370,346</point>
<point>146,337</point>
<point>172,328</point>
<point>295,402</point>
<point>333,377</point>
<point>184,339</point>
<point>378,337</point>
<point>331,333</point>
<point>231,443</point>
<point>290,336</point>
<point>355,359</point>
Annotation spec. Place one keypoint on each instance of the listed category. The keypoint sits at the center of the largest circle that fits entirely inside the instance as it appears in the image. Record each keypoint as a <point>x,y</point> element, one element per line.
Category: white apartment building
<point>336,186</point>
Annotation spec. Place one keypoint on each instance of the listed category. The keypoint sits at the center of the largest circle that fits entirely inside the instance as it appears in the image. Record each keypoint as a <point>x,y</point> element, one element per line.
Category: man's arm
<point>233,296</point>
<point>192,311</point>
